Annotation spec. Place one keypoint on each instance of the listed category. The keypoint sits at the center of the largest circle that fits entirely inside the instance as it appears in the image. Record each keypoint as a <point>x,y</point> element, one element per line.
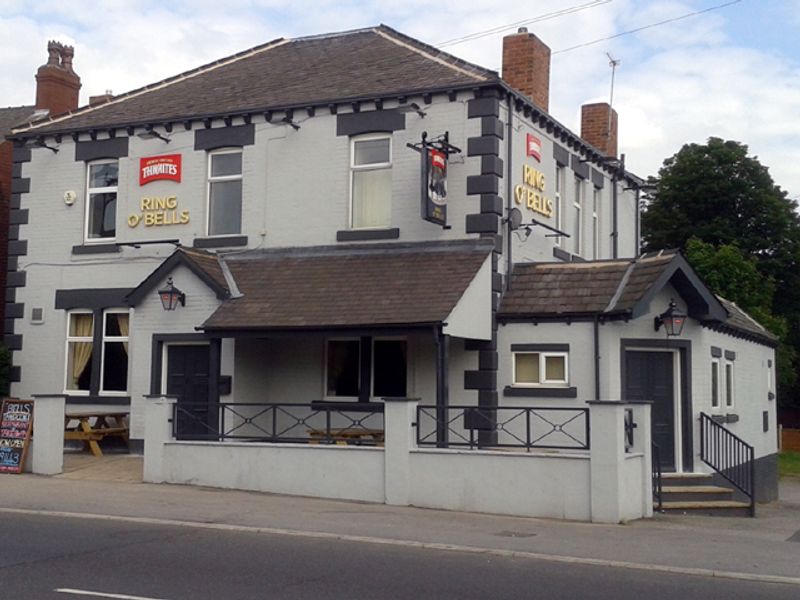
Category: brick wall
<point>526,66</point>
<point>595,127</point>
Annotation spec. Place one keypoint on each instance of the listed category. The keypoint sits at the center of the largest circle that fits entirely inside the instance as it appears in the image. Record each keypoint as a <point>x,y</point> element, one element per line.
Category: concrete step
<point>717,508</point>
<point>695,493</point>
<point>686,479</point>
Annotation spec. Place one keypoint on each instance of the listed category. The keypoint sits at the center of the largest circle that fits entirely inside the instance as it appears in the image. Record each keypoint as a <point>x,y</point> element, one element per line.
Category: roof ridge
<point>432,53</point>
<point>227,60</point>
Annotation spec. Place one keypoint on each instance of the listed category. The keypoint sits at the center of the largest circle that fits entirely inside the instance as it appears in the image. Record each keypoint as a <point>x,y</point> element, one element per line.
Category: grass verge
<point>789,463</point>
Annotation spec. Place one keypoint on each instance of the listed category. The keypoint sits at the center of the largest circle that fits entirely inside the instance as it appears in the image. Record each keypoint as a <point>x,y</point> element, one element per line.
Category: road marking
<point>102,594</point>
<point>599,562</point>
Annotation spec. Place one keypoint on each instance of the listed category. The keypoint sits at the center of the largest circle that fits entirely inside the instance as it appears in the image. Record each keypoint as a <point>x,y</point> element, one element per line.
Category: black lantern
<point>171,296</point>
<point>672,319</point>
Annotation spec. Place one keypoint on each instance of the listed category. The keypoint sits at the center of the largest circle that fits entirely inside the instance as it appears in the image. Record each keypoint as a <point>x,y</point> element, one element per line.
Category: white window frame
<point>100,190</point>
<point>69,340</point>
<point>543,381</point>
<point>221,178</point>
<point>114,338</point>
<point>560,181</point>
<point>577,204</point>
<point>730,386</point>
<point>595,223</point>
<point>371,167</point>
<point>715,364</point>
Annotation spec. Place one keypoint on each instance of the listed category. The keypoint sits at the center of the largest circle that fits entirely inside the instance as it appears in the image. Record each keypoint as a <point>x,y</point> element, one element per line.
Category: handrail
<point>730,456</point>
<point>658,486</point>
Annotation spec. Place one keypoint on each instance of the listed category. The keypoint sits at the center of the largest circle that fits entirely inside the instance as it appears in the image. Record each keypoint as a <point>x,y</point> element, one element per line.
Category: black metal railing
<point>658,483</point>
<point>317,422</point>
<point>503,427</point>
<point>730,456</point>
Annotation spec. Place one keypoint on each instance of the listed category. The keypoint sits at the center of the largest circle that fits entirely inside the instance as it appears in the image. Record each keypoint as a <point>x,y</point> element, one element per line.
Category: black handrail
<point>730,456</point>
<point>658,486</point>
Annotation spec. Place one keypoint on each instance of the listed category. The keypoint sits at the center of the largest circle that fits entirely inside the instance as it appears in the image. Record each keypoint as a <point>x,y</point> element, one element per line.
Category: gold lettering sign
<point>530,192</point>
<point>157,211</point>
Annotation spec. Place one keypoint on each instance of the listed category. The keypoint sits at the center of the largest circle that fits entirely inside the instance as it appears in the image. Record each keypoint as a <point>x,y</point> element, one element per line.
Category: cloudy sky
<point>732,71</point>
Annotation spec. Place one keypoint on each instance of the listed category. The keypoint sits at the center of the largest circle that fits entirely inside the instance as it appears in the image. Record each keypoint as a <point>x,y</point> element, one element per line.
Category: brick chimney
<point>526,66</point>
<point>598,129</point>
<point>57,85</point>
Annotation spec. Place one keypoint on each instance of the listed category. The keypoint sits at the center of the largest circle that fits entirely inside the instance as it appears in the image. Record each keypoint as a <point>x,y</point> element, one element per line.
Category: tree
<point>746,235</point>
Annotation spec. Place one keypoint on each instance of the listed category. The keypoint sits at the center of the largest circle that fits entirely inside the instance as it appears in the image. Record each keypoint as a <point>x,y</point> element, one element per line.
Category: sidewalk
<point>766,546</point>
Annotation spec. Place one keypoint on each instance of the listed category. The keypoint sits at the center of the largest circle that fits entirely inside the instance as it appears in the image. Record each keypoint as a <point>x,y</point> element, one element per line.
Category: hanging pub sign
<point>153,168</point>
<point>434,155</point>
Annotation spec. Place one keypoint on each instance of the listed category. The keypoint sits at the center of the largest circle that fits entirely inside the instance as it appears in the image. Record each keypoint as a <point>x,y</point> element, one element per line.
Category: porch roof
<point>349,286</point>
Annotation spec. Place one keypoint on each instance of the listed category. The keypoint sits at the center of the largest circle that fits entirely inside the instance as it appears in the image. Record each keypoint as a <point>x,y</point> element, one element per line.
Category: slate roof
<point>14,116</point>
<point>350,286</point>
<point>613,287</point>
<point>367,63</point>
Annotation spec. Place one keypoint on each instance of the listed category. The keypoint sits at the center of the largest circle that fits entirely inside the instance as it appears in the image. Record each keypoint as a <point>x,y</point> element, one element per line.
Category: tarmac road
<point>67,558</point>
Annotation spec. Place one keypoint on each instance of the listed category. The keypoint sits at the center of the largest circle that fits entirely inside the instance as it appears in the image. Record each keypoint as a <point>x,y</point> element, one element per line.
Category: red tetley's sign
<point>152,168</point>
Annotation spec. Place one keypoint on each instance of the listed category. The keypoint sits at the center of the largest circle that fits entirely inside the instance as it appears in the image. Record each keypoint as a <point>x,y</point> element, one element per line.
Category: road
<point>67,559</point>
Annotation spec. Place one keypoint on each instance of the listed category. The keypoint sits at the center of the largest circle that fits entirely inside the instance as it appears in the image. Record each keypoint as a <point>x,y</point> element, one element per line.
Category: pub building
<point>366,217</point>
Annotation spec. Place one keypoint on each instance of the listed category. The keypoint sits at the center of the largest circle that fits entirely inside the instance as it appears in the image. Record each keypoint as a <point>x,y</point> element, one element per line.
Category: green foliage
<point>740,232</point>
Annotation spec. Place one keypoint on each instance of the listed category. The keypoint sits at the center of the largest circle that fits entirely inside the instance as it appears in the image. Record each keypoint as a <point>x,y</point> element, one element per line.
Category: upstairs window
<point>577,229</point>
<point>371,182</point>
<point>557,202</point>
<point>540,368</point>
<point>225,192</point>
<point>101,200</point>
<point>595,224</point>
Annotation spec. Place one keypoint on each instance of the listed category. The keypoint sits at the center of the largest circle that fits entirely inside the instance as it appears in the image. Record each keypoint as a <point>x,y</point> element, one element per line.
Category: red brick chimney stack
<point>598,129</point>
<point>526,66</point>
<point>57,85</point>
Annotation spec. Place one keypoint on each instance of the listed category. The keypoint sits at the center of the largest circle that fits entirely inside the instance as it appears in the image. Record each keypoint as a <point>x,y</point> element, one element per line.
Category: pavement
<point>766,548</point>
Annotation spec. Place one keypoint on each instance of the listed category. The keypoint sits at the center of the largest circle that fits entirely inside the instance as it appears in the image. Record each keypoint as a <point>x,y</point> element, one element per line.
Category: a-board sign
<point>16,420</point>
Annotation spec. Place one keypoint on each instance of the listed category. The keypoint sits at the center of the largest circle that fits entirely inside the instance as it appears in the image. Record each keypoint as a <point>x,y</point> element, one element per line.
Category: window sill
<point>95,248</point>
<point>220,241</point>
<point>362,235</point>
<point>540,392</point>
<point>115,400</point>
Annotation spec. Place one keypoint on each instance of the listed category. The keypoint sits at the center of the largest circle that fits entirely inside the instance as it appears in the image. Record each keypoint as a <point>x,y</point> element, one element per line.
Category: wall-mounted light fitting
<point>171,296</point>
<point>672,319</point>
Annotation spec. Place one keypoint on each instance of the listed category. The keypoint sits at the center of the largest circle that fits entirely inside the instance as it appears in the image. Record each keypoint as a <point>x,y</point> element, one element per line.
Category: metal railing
<point>658,484</point>
<point>503,427</point>
<point>730,456</point>
<point>279,422</point>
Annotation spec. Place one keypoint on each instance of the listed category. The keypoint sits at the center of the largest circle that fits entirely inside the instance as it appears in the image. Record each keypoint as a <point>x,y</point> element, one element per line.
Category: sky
<point>732,71</point>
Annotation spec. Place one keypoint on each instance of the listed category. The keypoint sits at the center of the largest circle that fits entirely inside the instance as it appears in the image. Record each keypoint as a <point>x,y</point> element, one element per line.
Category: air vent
<point>37,315</point>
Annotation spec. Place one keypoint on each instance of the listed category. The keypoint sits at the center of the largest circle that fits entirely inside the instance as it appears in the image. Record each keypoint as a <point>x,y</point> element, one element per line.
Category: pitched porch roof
<point>620,288</point>
<point>381,285</point>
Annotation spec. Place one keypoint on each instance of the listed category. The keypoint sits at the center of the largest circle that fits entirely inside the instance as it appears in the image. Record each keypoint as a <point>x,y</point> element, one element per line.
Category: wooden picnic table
<point>346,435</point>
<point>92,427</point>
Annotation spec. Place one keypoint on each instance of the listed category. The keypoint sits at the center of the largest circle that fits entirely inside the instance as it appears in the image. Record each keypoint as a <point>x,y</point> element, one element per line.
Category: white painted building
<point>281,191</point>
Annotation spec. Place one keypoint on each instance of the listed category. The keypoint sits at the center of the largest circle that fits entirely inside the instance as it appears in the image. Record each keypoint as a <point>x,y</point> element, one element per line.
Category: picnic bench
<point>346,435</point>
<point>91,428</point>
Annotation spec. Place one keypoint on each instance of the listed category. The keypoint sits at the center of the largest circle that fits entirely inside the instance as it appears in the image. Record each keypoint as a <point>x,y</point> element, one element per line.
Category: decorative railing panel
<point>503,427</point>
<point>658,485</point>
<point>730,456</point>
<point>279,422</point>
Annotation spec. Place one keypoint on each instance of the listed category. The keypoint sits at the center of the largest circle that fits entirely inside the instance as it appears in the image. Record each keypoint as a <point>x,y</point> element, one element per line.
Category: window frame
<point>106,338</point>
<point>373,339</point>
<point>72,339</point>
<point>99,190</point>
<point>222,178</point>
<point>559,192</point>
<point>596,196</point>
<point>543,381</point>
<point>716,399</point>
<point>577,204</point>
<point>730,384</point>
<point>353,169</point>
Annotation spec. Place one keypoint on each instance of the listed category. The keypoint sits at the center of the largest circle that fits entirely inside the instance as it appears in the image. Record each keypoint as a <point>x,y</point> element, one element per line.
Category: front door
<point>187,378</point>
<point>650,376</point>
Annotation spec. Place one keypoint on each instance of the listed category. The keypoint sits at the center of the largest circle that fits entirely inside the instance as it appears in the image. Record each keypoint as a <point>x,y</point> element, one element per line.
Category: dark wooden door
<point>650,376</point>
<point>187,378</point>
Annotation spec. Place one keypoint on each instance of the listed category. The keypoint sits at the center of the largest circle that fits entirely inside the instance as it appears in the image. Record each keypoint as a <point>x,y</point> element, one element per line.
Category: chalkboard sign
<point>15,434</point>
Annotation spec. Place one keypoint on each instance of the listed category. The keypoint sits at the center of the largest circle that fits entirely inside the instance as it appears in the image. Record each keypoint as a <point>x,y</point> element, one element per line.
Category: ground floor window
<point>97,352</point>
<point>357,366</point>
<point>540,368</point>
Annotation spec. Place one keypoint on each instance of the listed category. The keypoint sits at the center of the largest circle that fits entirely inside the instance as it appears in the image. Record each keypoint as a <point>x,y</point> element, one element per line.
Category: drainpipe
<point>619,169</point>
<point>597,357</point>
<point>638,242</point>
<point>441,387</point>
<point>509,189</point>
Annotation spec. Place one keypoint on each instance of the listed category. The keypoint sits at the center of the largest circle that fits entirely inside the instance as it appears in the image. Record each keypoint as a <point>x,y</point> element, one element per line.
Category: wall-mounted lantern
<point>171,296</point>
<point>672,319</point>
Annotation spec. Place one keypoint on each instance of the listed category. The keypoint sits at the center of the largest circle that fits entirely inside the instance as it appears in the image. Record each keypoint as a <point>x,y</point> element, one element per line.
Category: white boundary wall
<point>605,485</point>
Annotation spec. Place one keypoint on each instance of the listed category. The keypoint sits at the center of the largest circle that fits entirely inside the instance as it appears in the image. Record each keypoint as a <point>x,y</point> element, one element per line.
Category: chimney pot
<point>57,84</point>
<point>526,66</point>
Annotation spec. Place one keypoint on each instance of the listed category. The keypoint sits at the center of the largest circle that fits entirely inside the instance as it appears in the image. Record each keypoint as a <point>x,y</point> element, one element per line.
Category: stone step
<point>695,493</point>
<point>686,479</point>
<point>718,508</point>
